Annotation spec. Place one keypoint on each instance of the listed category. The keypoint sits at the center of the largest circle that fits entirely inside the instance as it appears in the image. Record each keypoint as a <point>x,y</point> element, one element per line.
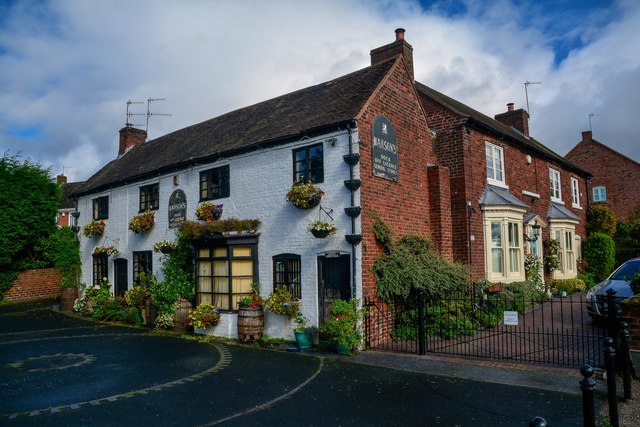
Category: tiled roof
<point>557,211</point>
<point>496,196</point>
<point>67,190</point>
<point>515,136</point>
<point>292,115</point>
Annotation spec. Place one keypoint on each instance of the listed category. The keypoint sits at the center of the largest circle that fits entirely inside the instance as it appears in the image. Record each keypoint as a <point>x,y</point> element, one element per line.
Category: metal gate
<point>556,332</point>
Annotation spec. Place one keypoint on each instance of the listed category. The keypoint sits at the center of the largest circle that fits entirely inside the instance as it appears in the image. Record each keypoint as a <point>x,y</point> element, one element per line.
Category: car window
<point>627,271</point>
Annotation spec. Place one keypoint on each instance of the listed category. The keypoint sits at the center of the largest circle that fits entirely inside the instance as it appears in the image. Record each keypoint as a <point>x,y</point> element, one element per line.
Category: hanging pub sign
<point>384,149</point>
<point>177,208</point>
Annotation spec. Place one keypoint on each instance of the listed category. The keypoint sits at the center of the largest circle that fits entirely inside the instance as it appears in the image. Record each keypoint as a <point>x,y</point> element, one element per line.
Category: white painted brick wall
<point>259,183</point>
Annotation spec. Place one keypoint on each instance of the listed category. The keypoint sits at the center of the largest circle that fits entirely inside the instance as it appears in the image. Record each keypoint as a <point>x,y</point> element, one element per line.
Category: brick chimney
<point>61,179</point>
<point>130,137</point>
<point>398,47</point>
<point>517,119</point>
<point>587,136</point>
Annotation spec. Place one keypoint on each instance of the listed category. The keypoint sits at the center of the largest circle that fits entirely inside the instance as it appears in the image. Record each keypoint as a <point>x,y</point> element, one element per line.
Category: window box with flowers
<point>304,195</point>
<point>143,222</point>
<point>321,229</point>
<point>204,318</point>
<point>200,230</point>
<point>94,228</point>
<point>109,250</point>
<point>207,211</point>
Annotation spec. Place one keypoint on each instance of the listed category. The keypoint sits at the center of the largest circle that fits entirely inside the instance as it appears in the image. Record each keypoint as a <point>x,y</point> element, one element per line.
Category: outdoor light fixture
<point>536,234</point>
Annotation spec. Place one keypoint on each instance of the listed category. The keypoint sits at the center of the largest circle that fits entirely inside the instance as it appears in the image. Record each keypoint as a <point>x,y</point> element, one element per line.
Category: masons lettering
<point>384,149</point>
<point>177,208</point>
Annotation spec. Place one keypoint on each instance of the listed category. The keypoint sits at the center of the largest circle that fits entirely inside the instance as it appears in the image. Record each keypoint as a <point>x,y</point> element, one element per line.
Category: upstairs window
<point>575,193</point>
<point>308,164</point>
<point>214,183</point>
<point>495,164</point>
<point>287,272</point>
<point>599,194</point>
<point>142,263</point>
<point>101,207</point>
<point>554,178</point>
<point>149,197</point>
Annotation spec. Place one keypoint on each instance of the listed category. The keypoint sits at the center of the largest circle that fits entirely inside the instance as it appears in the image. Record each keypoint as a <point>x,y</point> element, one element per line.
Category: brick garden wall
<point>35,284</point>
<point>631,315</point>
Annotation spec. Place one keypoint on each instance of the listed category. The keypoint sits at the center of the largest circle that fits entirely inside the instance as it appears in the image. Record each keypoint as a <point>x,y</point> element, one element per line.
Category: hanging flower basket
<point>94,228</point>
<point>109,250</point>
<point>352,159</point>
<point>207,211</point>
<point>164,246</point>
<point>304,195</point>
<point>321,229</point>
<point>143,222</point>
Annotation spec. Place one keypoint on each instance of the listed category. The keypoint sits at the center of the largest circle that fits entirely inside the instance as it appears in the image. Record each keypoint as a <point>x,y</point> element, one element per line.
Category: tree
<point>29,205</point>
<point>601,219</point>
<point>599,252</point>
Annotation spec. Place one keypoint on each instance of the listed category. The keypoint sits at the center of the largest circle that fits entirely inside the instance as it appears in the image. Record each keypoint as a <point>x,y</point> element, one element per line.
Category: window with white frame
<point>503,244</point>
<point>564,233</point>
<point>575,193</point>
<point>495,164</point>
<point>600,194</point>
<point>554,178</point>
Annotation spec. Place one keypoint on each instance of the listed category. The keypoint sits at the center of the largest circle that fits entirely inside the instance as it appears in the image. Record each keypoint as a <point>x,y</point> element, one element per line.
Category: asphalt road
<point>59,370</point>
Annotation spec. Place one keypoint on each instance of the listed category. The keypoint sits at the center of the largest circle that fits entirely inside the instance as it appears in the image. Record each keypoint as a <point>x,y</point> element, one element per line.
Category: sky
<point>68,67</point>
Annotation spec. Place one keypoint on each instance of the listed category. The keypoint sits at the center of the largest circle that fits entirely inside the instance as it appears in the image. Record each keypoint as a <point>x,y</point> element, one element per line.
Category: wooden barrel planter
<point>67,297</point>
<point>181,318</point>
<point>151,312</point>
<point>250,323</point>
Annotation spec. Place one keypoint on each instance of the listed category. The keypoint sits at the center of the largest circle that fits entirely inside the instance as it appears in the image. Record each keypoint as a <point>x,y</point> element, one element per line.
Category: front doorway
<point>333,282</point>
<point>120,272</point>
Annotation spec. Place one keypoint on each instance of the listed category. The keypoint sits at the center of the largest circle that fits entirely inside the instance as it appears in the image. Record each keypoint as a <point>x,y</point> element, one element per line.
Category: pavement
<point>57,369</point>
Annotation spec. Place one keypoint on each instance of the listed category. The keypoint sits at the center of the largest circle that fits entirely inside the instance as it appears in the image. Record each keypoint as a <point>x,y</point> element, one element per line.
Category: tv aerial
<point>147,114</point>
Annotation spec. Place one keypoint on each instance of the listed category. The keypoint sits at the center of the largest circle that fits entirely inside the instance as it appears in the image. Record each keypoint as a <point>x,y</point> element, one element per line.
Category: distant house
<point>616,177</point>
<point>67,205</point>
<point>367,139</point>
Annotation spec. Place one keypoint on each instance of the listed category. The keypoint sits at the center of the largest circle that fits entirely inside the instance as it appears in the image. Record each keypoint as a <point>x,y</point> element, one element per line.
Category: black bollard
<point>537,422</point>
<point>610,366</point>
<point>588,387</point>
<point>626,363</point>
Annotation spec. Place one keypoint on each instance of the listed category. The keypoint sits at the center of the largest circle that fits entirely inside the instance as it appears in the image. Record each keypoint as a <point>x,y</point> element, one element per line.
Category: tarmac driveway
<point>59,370</point>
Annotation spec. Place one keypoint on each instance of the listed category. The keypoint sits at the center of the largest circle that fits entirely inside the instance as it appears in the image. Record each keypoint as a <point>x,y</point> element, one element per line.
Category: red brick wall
<point>35,284</point>
<point>631,315</point>
<point>405,204</point>
<point>619,174</point>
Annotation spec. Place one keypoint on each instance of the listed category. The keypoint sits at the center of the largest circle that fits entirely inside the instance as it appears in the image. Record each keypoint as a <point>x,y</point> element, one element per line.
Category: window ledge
<point>558,201</point>
<point>531,194</point>
<point>576,206</point>
<point>497,183</point>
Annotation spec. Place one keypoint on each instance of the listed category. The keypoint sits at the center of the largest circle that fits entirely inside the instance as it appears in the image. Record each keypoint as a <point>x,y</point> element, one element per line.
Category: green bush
<point>178,282</point>
<point>601,219</point>
<point>570,286</point>
<point>599,252</point>
<point>411,263</point>
<point>588,279</point>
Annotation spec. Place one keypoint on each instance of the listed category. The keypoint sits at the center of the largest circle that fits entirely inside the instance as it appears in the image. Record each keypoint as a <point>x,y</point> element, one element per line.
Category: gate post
<point>588,387</point>
<point>626,365</point>
<point>610,366</point>
<point>612,312</point>
<point>421,338</point>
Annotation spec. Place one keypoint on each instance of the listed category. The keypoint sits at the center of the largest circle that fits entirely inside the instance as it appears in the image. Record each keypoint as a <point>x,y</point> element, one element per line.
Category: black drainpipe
<point>353,221</point>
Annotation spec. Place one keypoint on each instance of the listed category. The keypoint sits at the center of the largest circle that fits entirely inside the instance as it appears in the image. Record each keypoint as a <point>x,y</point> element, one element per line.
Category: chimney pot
<point>61,179</point>
<point>400,34</point>
<point>510,106</point>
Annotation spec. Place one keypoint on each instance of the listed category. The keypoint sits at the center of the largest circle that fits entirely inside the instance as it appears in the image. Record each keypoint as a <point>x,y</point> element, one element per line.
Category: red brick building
<point>616,177</point>
<point>67,205</point>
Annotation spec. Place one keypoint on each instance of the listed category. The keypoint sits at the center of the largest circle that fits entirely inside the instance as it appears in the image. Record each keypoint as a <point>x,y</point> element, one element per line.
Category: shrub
<point>177,268</point>
<point>526,290</point>
<point>570,286</point>
<point>635,284</point>
<point>588,279</point>
<point>552,251</point>
<point>601,219</point>
<point>342,327</point>
<point>135,296</point>
<point>410,264</point>
<point>205,316</point>
<point>599,252</point>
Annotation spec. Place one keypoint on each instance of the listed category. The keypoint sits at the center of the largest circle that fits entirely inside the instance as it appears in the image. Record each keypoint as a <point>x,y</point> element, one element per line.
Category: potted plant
<point>304,339</point>
<point>304,195</point>
<point>165,246</point>
<point>68,294</point>
<point>135,298</point>
<point>94,228</point>
<point>109,250</point>
<point>143,222</point>
<point>204,317</point>
<point>342,328</point>
<point>321,229</point>
<point>251,315</point>
<point>207,211</point>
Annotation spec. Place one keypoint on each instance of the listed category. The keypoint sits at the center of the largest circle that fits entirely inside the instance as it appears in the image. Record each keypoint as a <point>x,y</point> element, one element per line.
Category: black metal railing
<point>553,332</point>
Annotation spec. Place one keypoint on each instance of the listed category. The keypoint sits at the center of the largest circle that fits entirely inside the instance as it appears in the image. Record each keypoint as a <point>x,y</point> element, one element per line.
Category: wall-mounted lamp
<point>536,234</point>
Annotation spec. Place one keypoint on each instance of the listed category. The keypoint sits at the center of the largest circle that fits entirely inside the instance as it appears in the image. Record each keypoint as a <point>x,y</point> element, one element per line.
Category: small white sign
<point>511,318</point>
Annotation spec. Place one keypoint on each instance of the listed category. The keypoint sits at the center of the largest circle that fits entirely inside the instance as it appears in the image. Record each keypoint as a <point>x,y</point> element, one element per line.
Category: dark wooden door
<point>333,282</point>
<point>120,271</point>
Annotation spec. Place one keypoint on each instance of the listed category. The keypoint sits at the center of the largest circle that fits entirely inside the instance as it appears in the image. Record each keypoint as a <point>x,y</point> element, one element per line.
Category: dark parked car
<point>597,305</point>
